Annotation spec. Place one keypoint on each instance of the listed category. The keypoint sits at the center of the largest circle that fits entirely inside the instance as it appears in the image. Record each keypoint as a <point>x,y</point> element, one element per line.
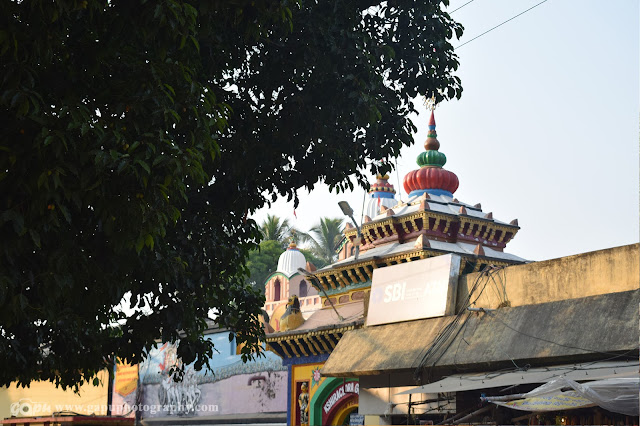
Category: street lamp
<point>348,211</point>
<point>313,277</point>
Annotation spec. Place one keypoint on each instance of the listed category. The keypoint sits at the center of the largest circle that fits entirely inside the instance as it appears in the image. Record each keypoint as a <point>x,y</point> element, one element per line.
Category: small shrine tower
<point>287,282</point>
<point>381,194</point>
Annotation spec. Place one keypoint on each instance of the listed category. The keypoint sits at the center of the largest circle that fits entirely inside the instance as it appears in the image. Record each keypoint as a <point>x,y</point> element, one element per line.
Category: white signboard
<point>414,290</point>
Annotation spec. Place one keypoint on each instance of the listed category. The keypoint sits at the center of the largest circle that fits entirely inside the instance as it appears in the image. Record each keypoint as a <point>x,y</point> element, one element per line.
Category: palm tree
<point>324,237</point>
<point>276,229</point>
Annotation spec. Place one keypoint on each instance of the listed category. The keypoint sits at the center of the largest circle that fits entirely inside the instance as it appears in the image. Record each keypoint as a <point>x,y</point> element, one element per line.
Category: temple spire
<point>431,177</point>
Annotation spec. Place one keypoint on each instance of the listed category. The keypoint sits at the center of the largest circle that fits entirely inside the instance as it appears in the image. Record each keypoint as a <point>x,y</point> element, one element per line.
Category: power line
<point>492,314</point>
<point>461,6</point>
<point>499,25</point>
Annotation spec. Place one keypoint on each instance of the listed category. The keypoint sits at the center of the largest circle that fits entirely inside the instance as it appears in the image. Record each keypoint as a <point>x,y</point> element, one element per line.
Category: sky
<point>546,131</point>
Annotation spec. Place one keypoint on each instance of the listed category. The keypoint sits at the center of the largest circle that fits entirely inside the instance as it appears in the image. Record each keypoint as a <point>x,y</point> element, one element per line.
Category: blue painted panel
<point>419,192</point>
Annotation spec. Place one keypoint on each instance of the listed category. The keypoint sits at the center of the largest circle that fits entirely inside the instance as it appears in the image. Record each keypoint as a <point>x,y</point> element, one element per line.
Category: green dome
<point>431,158</point>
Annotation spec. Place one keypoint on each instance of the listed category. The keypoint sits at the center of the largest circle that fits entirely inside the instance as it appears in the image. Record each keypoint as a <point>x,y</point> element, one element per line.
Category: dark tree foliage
<point>315,260</point>
<point>136,136</point>
<point>263,262</point>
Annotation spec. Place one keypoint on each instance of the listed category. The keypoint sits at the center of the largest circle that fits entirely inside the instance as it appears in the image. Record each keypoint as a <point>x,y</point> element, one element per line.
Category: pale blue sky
<point>546,130</point>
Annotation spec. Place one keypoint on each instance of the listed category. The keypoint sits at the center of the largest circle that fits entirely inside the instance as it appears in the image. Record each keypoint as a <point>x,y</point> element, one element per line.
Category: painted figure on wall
<point>303,404</point>
<point>180,398</point>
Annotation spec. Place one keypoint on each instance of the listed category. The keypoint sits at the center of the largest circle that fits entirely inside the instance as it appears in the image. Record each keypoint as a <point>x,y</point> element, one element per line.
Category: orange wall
<point>43,398</point>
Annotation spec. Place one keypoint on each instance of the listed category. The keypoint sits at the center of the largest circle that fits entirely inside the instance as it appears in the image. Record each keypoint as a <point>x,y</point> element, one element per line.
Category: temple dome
<point>291,260</point>
<point>381,193</point>
<point>431,177</point>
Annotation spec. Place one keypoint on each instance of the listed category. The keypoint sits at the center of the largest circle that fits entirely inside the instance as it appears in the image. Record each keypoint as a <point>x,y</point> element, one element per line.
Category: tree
<point>263,262</point>
<point>276,234</point>
<point>323,238</point>
<point>311,257</point>
<point>275,229</point>
<point>136,137</point>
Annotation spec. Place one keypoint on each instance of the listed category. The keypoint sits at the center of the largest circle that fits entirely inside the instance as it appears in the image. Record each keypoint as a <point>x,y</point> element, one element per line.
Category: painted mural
<point>231,387</point>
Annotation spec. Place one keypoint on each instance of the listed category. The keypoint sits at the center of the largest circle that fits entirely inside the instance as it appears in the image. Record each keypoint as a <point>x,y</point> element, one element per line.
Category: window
<point>303,289</point>
<point>276,290</point>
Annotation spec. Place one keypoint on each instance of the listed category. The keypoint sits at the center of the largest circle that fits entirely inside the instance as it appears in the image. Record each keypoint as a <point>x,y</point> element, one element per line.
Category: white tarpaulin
<point>577,372</point>
<point>619,395</point>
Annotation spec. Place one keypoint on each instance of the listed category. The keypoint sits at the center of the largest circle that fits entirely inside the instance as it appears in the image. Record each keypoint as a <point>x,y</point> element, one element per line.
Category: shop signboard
<point>414,290</point>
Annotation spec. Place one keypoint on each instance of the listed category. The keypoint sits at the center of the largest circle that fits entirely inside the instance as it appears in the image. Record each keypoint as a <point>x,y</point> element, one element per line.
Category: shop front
<point>318,400</point>
<point>335,401</point>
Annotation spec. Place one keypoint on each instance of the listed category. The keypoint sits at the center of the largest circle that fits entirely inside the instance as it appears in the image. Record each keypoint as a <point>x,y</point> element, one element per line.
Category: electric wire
<point>492,314</point>
<point>454,10</point>
<point>446,336</point>
<point>499,25</point>
<point>449,333</point>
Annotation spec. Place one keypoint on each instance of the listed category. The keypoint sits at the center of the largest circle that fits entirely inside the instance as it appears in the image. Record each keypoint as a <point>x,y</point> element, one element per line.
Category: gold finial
<point>430,103</point>
<point>292,239</point>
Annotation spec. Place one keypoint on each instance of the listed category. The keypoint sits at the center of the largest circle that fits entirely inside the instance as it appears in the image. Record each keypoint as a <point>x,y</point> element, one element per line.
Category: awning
<point>539,334</point>
<point>576,372</point>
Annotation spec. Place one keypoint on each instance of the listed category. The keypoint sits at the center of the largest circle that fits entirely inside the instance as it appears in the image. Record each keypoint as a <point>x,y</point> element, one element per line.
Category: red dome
<point>430,178</point>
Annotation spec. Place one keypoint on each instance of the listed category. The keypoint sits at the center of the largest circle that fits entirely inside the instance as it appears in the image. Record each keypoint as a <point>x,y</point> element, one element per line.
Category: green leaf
<point>195,43</point>
<point>139,244</point>
<point>148,241</point>
<point>175,115</point>
<point>65,212</point>
<point>144,165</point>
<point>173,92</point>
<point>35,237</point>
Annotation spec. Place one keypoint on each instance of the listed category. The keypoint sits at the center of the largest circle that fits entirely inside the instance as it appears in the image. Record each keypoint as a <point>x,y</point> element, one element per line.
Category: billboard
<point>414,290</point>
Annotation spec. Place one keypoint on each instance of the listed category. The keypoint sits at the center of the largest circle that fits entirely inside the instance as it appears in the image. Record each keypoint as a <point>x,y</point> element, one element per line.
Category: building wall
<point>588,274</point>
<point>270,292</point>
<point>294,286</point>
<point>264,392</point>
<point>232,388</point>
<point>43,398</point>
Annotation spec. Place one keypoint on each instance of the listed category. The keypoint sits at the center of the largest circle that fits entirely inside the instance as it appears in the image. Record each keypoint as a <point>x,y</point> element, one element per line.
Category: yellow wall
<point>299,373</point>
<point>583,275</point>
<point>43,398</point>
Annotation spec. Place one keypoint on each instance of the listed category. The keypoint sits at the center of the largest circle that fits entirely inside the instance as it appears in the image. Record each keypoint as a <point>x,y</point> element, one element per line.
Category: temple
<point>432,222</point>
<point>287,281</point>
